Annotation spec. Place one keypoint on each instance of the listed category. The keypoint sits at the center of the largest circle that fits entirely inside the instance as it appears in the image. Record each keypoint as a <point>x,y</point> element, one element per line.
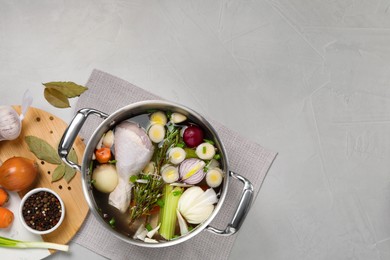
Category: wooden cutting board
<point>46,126</point>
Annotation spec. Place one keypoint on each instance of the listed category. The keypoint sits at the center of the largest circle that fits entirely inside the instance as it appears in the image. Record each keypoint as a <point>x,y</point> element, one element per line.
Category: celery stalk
<point>168,215</point>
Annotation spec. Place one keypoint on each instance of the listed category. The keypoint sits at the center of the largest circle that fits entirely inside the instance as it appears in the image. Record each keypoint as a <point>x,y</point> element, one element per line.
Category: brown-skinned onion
<point>18,173</point>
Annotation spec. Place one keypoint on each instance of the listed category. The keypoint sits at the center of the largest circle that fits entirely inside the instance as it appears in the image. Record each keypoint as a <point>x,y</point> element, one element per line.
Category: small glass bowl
<point>41,211</point>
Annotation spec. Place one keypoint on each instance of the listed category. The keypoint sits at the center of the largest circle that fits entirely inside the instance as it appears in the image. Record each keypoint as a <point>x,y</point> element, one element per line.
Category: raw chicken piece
<point>133,151</point>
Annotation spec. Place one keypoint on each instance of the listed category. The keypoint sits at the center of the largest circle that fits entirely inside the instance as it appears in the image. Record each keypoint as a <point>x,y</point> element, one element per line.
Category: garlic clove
<point>108,139</point>
<point>178,118</point>
<point>150,168</point>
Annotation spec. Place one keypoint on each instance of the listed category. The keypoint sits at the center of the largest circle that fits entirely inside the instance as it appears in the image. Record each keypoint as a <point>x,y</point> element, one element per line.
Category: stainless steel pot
<point>140,108</point>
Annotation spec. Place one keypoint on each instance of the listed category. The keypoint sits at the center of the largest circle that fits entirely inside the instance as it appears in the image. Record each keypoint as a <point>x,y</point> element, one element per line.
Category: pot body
<point>129,112</point>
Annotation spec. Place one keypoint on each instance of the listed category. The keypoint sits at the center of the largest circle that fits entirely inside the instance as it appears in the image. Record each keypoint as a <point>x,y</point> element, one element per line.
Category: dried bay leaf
<point>42,150</point>
<point>73,156</point>
<point>69,171</point>
<point>58,173</point>
<point>56,98</point>
<point>69,89</point>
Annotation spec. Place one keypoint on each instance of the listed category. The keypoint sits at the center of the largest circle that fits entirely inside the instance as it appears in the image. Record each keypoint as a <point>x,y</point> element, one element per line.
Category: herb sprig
<point>146,195</point>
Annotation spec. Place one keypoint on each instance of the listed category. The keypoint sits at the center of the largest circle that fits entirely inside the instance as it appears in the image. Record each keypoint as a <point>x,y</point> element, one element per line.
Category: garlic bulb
<point>10,121</point>
<point>10,125</point>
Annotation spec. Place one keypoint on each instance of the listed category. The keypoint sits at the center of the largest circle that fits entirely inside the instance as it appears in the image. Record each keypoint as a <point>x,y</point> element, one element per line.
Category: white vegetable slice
<point>205,151</point>
<point>151,233</point>
<point>142,235</point>
<point>149,240</point>
<point>108,139</point>
<point>158,117</point>
<point>156,133</point>
<point>182,223</point>
<point>179,184</point>
<point>176,155</point>
<point>140,229</point>
<point>105,178</point>
<point>178,118</point>
<point>214,177</point>
<point>170,174</point>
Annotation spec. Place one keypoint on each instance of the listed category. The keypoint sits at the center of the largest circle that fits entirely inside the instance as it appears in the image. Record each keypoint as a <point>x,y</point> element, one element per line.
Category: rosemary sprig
<point>146,195</point>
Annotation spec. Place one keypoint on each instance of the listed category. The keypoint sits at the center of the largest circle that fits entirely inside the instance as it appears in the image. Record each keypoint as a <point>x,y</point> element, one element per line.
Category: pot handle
<point>242,209</point>
<point>71,133</point>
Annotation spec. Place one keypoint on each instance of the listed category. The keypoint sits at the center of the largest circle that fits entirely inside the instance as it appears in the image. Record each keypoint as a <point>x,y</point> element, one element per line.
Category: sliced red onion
<point>191,171</point>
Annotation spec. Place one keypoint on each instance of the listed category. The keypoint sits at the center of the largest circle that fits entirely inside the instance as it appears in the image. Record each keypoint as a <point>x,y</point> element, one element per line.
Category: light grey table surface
<point>308,79</point>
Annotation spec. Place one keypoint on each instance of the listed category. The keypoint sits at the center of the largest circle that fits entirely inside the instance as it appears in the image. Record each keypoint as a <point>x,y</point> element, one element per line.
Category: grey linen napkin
<point>108,93</point>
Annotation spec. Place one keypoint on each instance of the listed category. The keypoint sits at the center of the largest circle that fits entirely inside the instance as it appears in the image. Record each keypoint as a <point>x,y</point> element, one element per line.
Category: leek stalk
<point>12,243</point>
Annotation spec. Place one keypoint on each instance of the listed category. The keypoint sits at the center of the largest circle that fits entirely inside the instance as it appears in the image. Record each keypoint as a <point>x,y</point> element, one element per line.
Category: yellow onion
<point>18,173</point>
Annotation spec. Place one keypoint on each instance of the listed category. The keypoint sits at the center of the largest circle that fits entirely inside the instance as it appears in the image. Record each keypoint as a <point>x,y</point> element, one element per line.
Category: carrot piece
<point>103,155</point>
<point>154,210</point>
<point>4,197</point>
<point>6,217</point>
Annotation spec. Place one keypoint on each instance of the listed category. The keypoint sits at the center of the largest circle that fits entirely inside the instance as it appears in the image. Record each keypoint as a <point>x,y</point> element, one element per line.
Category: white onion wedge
<point>182,223</point>
<point>195,205</point>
